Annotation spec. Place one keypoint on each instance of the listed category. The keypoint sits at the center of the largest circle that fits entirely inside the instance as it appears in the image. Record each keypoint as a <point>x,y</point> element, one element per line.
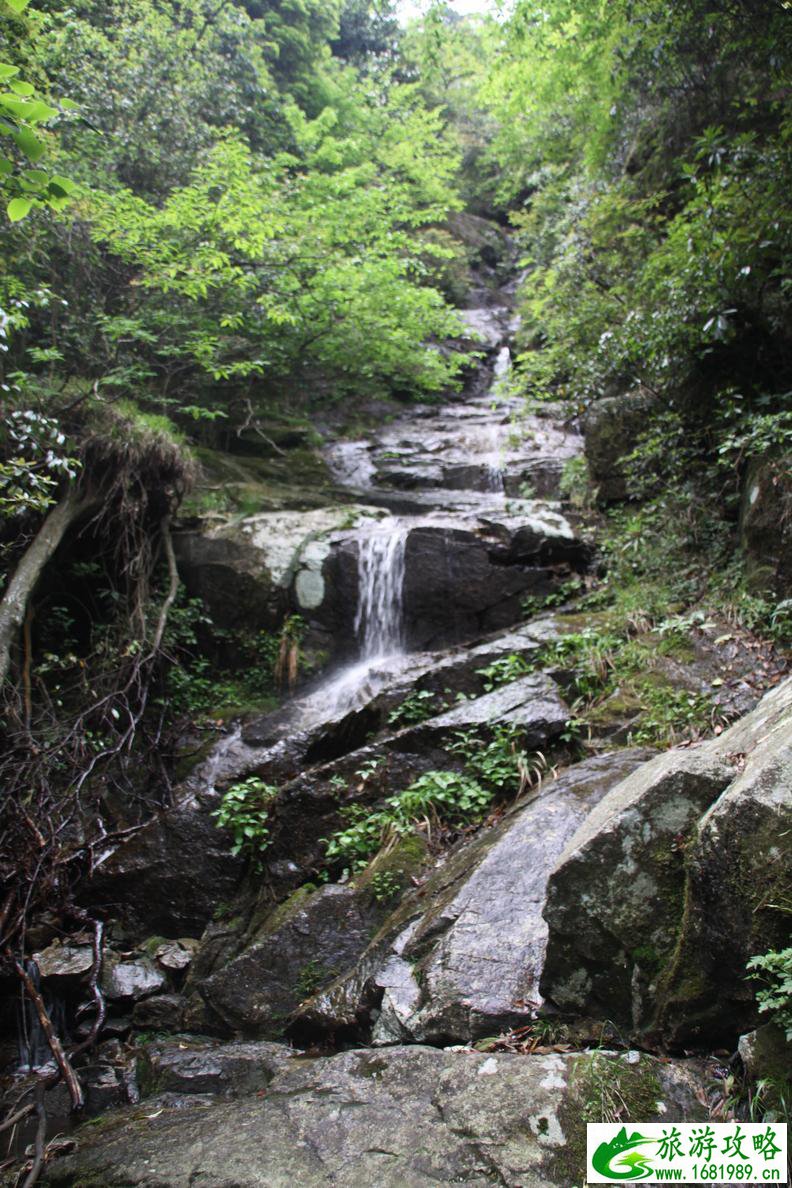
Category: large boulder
<point>303,944</point>
<point>461,957</point>
<point>766,525</point>
<point>739,877</point>
<point>672,884</point>
<point>612,428</point>
<point>170,875</point>
<point>243,567</point>
<point>397,1118</point>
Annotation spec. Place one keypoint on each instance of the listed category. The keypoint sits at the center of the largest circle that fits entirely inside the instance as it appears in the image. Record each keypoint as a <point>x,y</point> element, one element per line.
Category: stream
<point>428,1016</point>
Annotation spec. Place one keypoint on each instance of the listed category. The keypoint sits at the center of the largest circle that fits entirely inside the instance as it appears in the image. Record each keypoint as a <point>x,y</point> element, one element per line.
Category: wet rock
<point>703,829</point>
<point>162,1012</point>
<point>302,945</point>
<point>461,957</point>
<point>485,325</point>
<point>176,956</point>
<point>132,979</point>
<point>59,961</point>
<point>623,873</point>
<point>171,874</point>
<point>532,704</point>
<point>739,867</point>
<point>455,588</point>
<point>612,428</point>
<point>766,1054</point>
<point>397,1118</point>
<point>196,1066</point>
<point>243,567</point>
<point>766,525</point>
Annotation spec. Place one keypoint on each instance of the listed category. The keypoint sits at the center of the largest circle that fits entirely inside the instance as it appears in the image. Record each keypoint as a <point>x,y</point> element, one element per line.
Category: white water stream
<point>379,620</point>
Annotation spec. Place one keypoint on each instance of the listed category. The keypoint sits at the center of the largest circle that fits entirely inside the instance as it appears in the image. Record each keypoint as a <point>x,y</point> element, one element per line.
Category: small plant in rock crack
<point>434,799</point>
<point>504,671</point>
<point>497,763</point>
<point>385,886</point>
<point>312,975</point>
<point>244,811</point>
<point>416,707</point>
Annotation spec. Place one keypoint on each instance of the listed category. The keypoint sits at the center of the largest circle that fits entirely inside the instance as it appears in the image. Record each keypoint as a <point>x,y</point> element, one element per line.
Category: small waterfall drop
<point>379,620</point>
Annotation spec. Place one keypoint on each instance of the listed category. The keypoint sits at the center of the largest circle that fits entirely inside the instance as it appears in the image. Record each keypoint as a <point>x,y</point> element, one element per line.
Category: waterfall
<point>379,620</point>
<point>34,1050</point>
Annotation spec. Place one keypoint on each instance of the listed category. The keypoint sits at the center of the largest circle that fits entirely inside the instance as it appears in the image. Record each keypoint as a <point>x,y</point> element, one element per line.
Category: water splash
<point>379,619</point>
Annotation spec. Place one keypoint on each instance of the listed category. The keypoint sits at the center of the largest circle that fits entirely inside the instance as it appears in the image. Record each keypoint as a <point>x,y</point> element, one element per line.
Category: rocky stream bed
<point>594,932</point>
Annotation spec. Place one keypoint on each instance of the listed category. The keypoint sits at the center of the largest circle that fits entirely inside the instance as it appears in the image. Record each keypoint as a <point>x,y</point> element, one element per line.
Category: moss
<point>403,861</point>
<point>152,943</point>
<point>601,1087</point>
<point>267,919</point>
<point>186,763</point>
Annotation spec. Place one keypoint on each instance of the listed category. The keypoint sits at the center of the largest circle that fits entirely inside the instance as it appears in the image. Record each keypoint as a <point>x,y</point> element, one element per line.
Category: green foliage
<point>244,810</point>
<point>437,797</point>
<point>38,457</point>
<point>312,975</point>
<point>504,670</point>
<point>416,707</point>
<point>774,997</point>
<point>23,142</point>
<point>385,886</point>
<point>196,685</point>
<point>498,763</point>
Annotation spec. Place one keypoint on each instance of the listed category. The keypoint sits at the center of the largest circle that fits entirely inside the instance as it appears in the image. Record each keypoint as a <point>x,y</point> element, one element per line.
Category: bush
<point>774,998</point>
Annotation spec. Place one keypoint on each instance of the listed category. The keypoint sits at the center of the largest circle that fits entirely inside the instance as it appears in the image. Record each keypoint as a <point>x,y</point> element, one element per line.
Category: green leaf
<point>18,208</point>
<point>23,88</point>
<point>62,185</point>
<point>29,144</point>
<point>35,179</point>
<point>6,167</point>
<point>7,71</point>
<point>17,6</point>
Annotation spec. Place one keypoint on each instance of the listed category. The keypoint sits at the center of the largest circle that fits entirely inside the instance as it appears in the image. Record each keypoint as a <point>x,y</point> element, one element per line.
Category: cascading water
<point>379,620</point>
<point>493,464</point>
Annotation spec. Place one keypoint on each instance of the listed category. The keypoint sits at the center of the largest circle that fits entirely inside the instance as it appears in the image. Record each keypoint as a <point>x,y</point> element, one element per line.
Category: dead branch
<point>41,1134</point>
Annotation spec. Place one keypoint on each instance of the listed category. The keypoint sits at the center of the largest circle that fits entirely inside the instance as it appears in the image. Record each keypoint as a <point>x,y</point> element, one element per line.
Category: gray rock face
<point>162,1012</point>
<point>766,525</point>
<point>132,979</point>
<point>64,961</point>
<point>398,1118</point>
<point>464,576</point>
<point>739,867</point>
<point>461,957</point>
<point>171,875</point>
<point>306,943</point>
<point>532,704</point>
<point>188,1065</point>
<point>612,428</point>
<point>243,567</point>
<point>705,829</point>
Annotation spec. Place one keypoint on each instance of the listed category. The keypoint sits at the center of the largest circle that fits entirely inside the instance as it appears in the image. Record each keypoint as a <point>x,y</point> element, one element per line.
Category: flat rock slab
<point>400,1118</point>
<point>188,1065</point>
<point>532,704</point>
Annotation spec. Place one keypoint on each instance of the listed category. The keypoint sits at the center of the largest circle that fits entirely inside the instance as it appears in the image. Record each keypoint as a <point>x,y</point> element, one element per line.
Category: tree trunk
<point>27,573</point>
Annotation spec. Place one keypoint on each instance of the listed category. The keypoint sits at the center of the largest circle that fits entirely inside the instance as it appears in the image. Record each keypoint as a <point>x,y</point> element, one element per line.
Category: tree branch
<point>27,573</point>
